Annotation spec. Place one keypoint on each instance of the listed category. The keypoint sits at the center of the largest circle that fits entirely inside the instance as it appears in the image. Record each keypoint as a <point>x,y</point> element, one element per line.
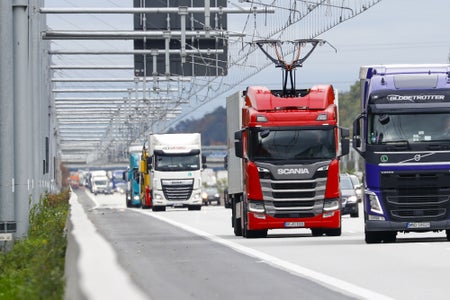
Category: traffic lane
<point>170,263</point>
<point>90,257</point>
<point>403,270</point>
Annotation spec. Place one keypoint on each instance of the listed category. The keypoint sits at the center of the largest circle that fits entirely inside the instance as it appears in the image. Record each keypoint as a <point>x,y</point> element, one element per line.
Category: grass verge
<point>34,268</point>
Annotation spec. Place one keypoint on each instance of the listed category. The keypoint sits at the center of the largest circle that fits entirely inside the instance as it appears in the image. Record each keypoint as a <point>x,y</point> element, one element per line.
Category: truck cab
<point>175,167</point>
<point>403,136</point>
<point>283,161</point>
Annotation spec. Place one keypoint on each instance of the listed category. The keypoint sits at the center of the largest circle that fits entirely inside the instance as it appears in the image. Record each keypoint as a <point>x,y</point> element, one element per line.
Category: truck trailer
<point>174,165</point>
<point>403,134</point>
<point>283,160</point>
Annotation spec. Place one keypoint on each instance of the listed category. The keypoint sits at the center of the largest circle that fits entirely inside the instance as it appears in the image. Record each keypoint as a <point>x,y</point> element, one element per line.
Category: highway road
<point>181,254</point>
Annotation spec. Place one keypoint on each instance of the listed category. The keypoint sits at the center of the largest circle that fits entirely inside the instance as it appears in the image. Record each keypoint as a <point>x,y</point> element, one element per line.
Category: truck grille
<point>176,189</point>
<point>297,198</point>
<point>417,196</point>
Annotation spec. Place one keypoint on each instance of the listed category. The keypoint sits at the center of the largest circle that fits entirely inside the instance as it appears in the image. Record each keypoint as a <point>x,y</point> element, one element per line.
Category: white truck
<point>174,166</point>
<point>100,183</point>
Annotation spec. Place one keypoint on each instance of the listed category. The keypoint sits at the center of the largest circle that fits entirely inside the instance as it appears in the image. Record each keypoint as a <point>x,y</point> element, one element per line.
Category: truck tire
<point>390,236</point>
<point>373,237</point>
<point>316,231</point>
<point>235,222</point>
<point>194,207</point>
<point>447,232</point>
<point>333,231</point>
<point>355,214</point>
<point>158,208</point>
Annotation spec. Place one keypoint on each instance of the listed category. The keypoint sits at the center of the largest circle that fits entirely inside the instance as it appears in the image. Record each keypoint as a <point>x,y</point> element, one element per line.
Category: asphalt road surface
<point>181,254</point>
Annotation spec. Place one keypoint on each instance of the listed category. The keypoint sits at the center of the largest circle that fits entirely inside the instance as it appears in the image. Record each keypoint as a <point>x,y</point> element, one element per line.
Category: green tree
<point>349,105</point>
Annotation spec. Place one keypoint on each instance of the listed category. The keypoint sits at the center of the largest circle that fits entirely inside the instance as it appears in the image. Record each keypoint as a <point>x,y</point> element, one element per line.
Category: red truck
<point>283,153</point>
<point>283,160</point>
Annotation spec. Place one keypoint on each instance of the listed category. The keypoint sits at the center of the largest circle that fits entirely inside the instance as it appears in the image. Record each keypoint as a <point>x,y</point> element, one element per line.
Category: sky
<point>392,31</point>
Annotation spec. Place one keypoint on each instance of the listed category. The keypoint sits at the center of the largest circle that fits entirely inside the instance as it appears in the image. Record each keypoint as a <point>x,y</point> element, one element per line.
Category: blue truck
<point>132,175</point>
<point>402,135</point>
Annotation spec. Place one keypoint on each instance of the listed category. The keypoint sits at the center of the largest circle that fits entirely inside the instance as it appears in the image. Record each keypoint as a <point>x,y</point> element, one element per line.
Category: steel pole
<point>22,129</point>
<point>7,212</point>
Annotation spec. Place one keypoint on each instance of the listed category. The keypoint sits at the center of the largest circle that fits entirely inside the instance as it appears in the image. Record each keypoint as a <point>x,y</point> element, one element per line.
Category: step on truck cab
<point>403,134</point>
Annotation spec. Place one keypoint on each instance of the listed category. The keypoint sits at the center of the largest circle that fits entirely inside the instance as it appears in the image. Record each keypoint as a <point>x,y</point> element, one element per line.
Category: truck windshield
<point>177,162</point>
<point>291,144</point>
<point>408,128</point>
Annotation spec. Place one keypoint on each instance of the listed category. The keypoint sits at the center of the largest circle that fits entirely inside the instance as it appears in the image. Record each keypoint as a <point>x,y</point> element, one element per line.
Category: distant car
<point>210,194</point>
<point>349,200</point>
<point>358,186</point>
<point>121,187</point>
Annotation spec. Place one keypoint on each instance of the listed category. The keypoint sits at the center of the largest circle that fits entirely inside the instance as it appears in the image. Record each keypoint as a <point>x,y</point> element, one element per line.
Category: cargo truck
<point>132,176</point>
<point>283,161</point>
<point>174,165</point>
<point>283,154</point>
<point>403,135</point>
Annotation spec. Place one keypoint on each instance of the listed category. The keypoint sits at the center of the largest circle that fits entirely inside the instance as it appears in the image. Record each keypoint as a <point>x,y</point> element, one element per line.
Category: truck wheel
<point>333,232</point>
<point>158,208</point>
<point>256,234</point>
<point>128,203</point>
<point>235,222</point>
<point>194,207</point>
<point>317,231</point>
<point>373,237</point>
<point>389,236</point>
<point>355,214</point>
<point>447,232</point>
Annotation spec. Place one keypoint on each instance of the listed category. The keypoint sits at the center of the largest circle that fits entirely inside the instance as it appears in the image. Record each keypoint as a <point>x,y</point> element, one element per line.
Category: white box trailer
<point>235,103</point>
<point>175,170</point>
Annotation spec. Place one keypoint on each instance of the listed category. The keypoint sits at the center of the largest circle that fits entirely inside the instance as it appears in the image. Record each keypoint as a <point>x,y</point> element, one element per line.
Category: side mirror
<point>204,166</point>
<point>356,134</point>
<point>345,142</point>
<point>356,139</point>
<point>225,162</point>
<point>238,151</point>
<point>149,163</point>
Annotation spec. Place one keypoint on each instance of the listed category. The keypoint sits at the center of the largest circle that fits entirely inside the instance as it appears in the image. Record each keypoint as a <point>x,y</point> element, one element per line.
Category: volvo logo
<point>289,171</point>
<point>417,157</point>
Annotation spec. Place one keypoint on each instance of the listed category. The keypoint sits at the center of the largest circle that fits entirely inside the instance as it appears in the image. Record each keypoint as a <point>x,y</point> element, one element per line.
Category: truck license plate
<point>418,225</point>
<point>294,224</point>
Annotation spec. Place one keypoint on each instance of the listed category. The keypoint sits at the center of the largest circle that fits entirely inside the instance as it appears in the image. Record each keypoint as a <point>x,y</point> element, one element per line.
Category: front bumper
<point>375,225</point>
<point>258,221</point>
<point>159,200</point>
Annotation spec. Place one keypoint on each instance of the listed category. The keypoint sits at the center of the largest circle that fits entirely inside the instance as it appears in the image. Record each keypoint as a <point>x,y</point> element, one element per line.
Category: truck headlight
<point>374,203</point>
<point>330,204</point>
<point>256,207</point>
<point>136,197</point>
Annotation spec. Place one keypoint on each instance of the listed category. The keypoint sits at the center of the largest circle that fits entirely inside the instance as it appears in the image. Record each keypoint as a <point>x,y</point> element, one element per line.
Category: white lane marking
<point>323,279</point>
